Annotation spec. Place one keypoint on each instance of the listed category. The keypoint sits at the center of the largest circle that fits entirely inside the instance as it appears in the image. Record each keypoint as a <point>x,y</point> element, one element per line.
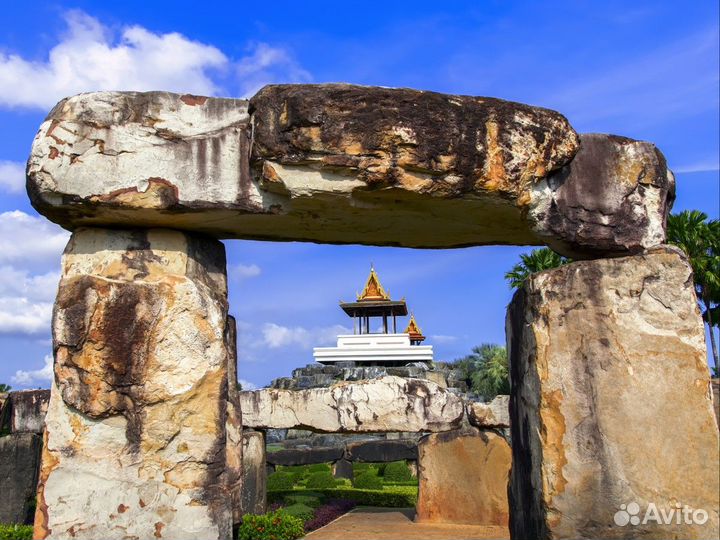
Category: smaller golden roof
<point>373,290</point>
<point>414,330</point>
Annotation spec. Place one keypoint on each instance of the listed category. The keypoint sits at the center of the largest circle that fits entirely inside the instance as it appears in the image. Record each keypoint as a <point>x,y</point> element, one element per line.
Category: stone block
<point>254,479</point>
<point>19,465</point>
<point>24,411</point>
<point>381,451</point>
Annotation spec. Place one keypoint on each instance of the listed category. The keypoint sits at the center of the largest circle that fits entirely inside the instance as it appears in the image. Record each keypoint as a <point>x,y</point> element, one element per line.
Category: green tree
<point>487,370</point>
<point>5,388</point>
<point>535,261</point>
<point>699,238</point>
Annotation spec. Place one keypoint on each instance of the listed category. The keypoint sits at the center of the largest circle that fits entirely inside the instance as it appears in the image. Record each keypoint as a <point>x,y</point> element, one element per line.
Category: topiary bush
<point>367,480</point>
<point>279,480</point>
<point>16,532</point>
<point>389,496</point>
<point>320,480</point>
<point>300,511</point>
<point>276,525</point>
<point>319,467</point>
<point>397,471</point>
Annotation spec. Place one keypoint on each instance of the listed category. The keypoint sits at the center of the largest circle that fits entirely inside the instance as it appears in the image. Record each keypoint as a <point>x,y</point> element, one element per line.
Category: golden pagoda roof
<point>373,290</point>
<point>413,329</point>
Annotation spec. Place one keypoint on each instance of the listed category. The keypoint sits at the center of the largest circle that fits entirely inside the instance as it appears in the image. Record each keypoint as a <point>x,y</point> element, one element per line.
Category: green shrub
<point>391,496</point>
<point>320,480</point>
<point>320,467</point>
<point>277,525</point>
<point>16,532</point>
<point>397,471</point>
<point>300,511</point>
<point>367,480</point>
<point>311,500</point>
<point>343,482</point>
<point>279,480</point>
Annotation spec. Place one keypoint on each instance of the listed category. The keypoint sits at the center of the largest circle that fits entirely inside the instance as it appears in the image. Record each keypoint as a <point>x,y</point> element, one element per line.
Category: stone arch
<point>144,441</point>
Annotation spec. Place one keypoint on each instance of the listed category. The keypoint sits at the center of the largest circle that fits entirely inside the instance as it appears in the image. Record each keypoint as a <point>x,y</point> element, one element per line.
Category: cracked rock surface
<point>387,404</point>
<point>338,163</point>
<point>136,426</point>
<point>610,399</point>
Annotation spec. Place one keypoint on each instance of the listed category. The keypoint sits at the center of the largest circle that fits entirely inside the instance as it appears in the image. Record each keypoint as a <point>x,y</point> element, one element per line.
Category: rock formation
<point>495,414</point>
<point>463,478</point>
<point>325,163</point>
<point>254,483</point>
<point>136,427</point>
<point>24,411</point>
<point>610,400</point>
<point>378,405</point>
<point>19,464</point>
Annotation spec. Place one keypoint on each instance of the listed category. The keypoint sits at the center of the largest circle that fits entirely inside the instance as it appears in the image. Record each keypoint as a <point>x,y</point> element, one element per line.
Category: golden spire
<point>412,328</point>
<point>373,289</point>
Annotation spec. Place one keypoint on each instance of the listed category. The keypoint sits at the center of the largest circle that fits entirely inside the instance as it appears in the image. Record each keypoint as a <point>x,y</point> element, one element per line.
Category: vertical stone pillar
<point>254,487</point>
<point>463,478</point>
<point>135,445</point>
<point>611,413</point>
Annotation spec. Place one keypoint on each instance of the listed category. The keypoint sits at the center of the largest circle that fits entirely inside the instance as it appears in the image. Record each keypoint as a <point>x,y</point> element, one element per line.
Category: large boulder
<point>381,451</point>
<point>19,465</point>
<point>24,411</point>
<point>326,163</point>
<point>611,412</point>
<point>463,478</point>
<point>308,456</point>
<point>378,405</point>
<point>254,479</point>
<point>494,414</point>
<point>613,197</point>
<point>138,417</point>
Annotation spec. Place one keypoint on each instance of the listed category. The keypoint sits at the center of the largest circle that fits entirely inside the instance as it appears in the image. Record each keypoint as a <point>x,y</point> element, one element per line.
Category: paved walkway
<point>368,523</point>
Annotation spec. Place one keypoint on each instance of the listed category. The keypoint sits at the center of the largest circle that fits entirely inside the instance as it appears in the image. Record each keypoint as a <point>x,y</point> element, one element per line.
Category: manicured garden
<point>16,532</point>
<point>306,497</point>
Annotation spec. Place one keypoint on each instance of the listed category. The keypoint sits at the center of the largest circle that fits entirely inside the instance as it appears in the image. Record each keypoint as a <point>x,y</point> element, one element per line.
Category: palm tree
<point>535,261</point>
<point>4,388</point>
<point>699,238</point>
<point>487,370</point>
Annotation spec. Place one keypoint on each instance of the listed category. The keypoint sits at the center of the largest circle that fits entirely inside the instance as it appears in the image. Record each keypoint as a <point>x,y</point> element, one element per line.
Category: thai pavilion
<point>384,347</point>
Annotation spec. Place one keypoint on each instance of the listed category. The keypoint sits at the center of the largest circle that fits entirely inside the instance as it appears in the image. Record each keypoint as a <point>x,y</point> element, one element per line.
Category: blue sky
<point>647,70</point>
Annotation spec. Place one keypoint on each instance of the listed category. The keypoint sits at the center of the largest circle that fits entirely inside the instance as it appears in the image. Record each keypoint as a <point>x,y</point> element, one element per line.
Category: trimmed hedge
<point>390,497</point>
<point>279,480</point>
<point>16,532</point>
<point>276,525</point>
<point>299,510</point>
<point>397,471</point>
<point>320,479</point>
<point>319,467</point>
<point>313,501</point>
<point>367,480</point>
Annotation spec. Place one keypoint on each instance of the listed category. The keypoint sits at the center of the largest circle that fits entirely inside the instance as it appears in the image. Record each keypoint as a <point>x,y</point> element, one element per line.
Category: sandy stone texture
<point>135,444</point>
<point>384,404</point>
<point>254,486</point>
<point>463,478</point>
<point>493,414</point>
<point>610,401</point>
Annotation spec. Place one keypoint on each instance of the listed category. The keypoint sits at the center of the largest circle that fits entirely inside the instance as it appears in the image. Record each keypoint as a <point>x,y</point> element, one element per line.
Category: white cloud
<point>247,385</point>
<point>244,271</point>
<point>709,165</point>
<point>37,376</point>
<point>268,64</point>
<point>275,335</point>
<point>30,250</point>
<point>26,238</point>
<point>12,176</point>
<point>439,338</point>
<point>90,57</point>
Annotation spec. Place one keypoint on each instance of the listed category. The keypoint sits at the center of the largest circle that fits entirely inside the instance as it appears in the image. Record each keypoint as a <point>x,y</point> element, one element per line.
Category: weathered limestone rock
<point>24,411</point>
<point>234,442</point>
<point>325,163</point>
<point>610,400</point>
<point>613,197</point>
<point>463,478</point>
<point>715,384</point>
<point>378,405</point>
<point>381,451</point>
<point>135,441</point>
<point>19,464</point>
<point>308,456</point>
<point>495,414</point>
<point>254,480</point>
